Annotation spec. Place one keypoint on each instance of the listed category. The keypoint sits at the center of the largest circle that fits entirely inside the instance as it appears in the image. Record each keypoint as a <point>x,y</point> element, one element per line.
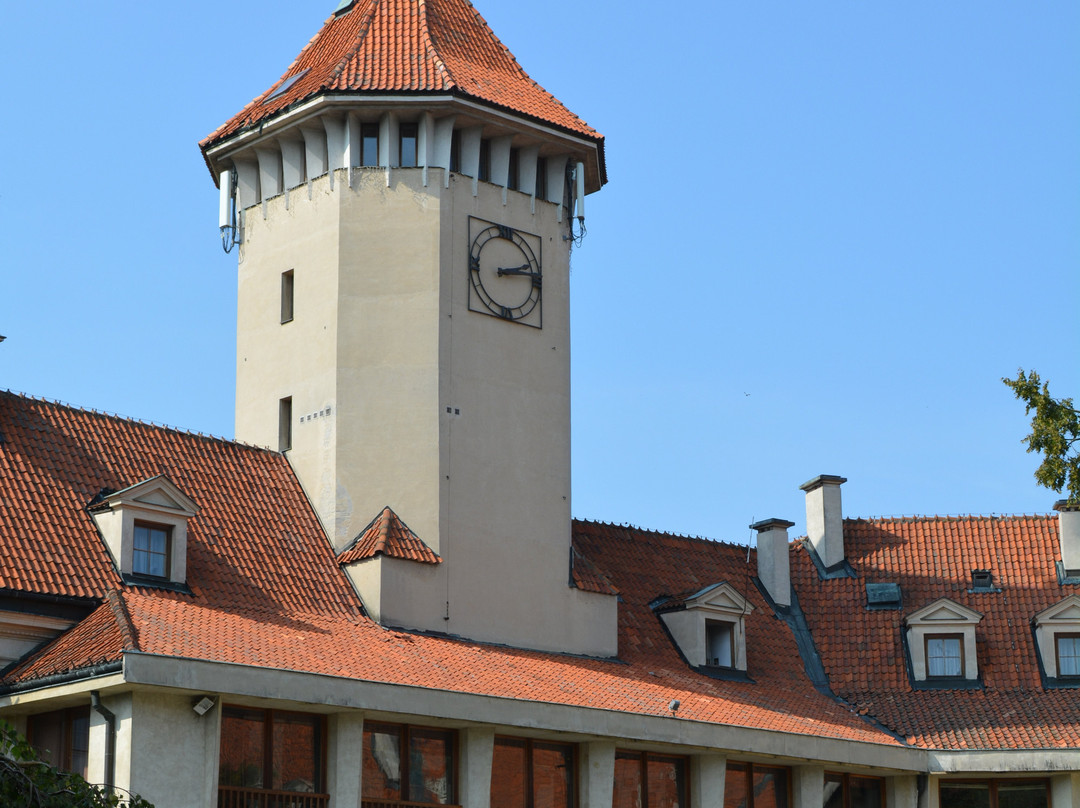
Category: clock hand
<point>521,270</point>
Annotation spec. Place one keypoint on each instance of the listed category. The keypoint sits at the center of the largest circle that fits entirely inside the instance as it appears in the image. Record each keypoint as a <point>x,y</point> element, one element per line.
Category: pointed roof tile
<point>408,46</point>
<point>387,535</point>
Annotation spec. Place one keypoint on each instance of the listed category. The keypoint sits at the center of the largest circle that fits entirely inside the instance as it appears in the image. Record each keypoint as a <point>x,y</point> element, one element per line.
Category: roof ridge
<point>123,620</point>
<point>656,532</point>
<point>433,52</point>
<point>130,419</point>
<point>358,41</point>
<point>954,517</point>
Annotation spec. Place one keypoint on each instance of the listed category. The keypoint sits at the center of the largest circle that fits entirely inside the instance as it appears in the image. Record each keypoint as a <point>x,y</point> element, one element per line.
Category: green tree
<point>1055,431</point>
<point>28,782</point>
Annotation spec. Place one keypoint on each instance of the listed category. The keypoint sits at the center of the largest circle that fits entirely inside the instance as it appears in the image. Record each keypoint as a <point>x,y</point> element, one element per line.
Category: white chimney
<point>1069,535</point>
<point>773,560</point>
<point>825,518</point>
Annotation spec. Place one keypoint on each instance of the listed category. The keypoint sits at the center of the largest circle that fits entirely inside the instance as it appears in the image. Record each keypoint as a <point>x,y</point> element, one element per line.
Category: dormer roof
<point>156,494</point>
<point>407,47</point>
<point>387,535</point>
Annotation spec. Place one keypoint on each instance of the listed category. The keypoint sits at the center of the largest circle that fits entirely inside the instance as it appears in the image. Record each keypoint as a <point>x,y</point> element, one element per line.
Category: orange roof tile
<point>407,46</point>
<point>387,535</point>
<point>932,558</point>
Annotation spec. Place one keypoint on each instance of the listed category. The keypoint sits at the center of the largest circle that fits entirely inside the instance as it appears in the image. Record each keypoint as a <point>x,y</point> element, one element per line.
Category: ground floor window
<point>748,785</point>
<point>62,738</point>
<point>532,774</point>
<point>645,780</point>
<point>271,751</point>
<point>851,791</point>
<point>995,794</point>
<point>410,764</point>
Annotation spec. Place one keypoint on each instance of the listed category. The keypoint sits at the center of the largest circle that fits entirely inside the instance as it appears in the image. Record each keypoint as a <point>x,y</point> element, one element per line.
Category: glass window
<point>151,551</point>
<point>270,749</point>
<point>484,172</point>
<point>455,151</point>
<point>409,139</point>
<point>1068,654</point>
<point>644,780</point>
<point>62,738</point>
<point>748,785</point>
<point>515,167</point>
<point>995,794</point>
<point>541,178</point>
<point>719,644</point>
<point>851,791</point>
<point>369,144</point>
<point>532,774</point>
<point>406,763</point>
<point>286,296</point>
<point>945,655</point>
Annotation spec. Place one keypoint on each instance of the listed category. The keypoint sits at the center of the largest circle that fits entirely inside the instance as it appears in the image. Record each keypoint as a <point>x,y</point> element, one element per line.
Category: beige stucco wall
<point>381,344</point>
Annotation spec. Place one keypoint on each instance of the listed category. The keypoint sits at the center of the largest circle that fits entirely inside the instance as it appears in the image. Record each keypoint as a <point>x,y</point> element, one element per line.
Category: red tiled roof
<point>411,46</point>
<point>587,577</point>
<point>932,558</point>
<point>387,535</point>
<point>267,590</point>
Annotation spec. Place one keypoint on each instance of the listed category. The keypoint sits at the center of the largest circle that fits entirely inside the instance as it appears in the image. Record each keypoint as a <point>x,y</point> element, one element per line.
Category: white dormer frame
<point>718,603</point>
<point>156,501</point>
<point>943,617</point>
<point>1060,619</point>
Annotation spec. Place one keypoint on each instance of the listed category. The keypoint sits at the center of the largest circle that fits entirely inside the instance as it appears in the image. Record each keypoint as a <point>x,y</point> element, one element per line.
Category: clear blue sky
<point>830,228</point>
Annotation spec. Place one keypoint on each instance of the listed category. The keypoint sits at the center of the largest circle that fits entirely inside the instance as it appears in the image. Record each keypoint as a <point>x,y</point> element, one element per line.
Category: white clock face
<point>505,277</point>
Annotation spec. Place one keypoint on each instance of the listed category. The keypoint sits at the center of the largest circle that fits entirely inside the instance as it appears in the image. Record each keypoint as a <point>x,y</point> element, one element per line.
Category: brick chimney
<point>825,518</point>
<point>773,560</point>
<point>1069,536</point>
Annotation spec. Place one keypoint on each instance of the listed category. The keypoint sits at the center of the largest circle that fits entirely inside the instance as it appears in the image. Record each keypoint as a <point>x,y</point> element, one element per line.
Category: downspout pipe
<point>110,738</point>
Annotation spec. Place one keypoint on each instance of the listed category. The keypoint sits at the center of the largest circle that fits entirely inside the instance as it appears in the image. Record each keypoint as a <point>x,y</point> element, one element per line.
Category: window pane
<point>242,748</point>
<point>770,787</point>
<point>1022,795</point>
<point>142,537</point>
<point>431,766</point>
<point>369,149</point>
<point>735,793</point>
<point>964,795</point>
<point>834,792</point>
<point>667,782</point>
<point>718,644</point>
<point>552,773</point>
<point>408,144</point>
<point>508,774</point>
<point>627,781</point>
<point>382,763</point>
<point>866,792</point>
<point>1068,651</point>
<point>80,741</point>
<point>295,745</point>
<point>943,656</point>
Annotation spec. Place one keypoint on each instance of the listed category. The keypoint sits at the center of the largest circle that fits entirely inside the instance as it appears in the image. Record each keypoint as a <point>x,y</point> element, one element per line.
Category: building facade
<point>392,605</point>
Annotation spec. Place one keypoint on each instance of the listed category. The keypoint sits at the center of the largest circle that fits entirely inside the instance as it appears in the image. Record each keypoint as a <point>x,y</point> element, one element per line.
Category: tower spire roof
<point>407,46</point>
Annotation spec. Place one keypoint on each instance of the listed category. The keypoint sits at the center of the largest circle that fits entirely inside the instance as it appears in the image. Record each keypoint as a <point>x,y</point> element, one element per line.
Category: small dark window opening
<point>410,138</point>
<point>285,424</point>
<point>484,171</point>
<point>287,296</point>
<point>455,151</point>
<point>541,178</point>
<point>982,579</point>
<point>515,167</point>
<point>719,644</point>
<point>369,144</point>
<point>62,738</point>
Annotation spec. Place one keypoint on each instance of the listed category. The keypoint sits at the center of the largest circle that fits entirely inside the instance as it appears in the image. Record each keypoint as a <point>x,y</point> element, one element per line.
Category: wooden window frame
<point>1058,637</point>
<point>644,758</point>
<point>268,716</point>
<point>405,761</point>
<point>959,638</point>
<point>288,295</point>
<point>994,783</point>
<point>148,552</point>
<point>844,779</point>
<point>529,743</point>
<point>66,718</point>
<point>748,770</point>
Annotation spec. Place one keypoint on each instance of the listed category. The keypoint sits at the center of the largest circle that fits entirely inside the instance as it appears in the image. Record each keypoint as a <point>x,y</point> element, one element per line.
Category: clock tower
<point>403,201</point>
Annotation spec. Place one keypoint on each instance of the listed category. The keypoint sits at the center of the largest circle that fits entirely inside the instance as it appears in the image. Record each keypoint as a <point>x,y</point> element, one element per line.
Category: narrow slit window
<point>484,172</point>
<point>455,151</point>
<point>409,141</point>
<point>369,144</point>
<point>541,178</point>
<point>286,296</point>
<point>512,176</point>
<point>285,424</point>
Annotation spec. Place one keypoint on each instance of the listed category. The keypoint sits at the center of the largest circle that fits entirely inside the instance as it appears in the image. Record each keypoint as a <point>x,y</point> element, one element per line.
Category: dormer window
<point>1057,635</point>
<point>982,581</point>
<point>709,627</point>
<point>145,529</point>
<point>941,644</point>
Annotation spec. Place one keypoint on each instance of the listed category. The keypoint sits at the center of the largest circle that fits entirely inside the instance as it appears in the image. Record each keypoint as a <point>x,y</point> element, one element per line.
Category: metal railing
<point>236,797</point>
